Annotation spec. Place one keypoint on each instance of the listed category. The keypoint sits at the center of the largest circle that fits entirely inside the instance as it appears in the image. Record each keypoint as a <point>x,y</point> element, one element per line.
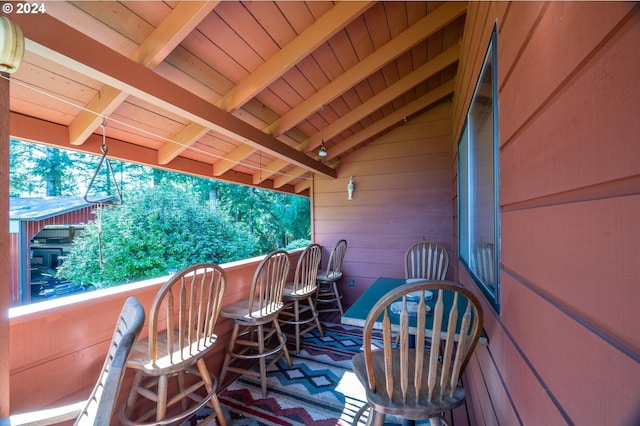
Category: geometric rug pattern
<point>318,390</point>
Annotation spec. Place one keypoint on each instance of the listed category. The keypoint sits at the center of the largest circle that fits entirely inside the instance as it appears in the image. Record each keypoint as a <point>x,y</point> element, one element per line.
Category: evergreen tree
<point>168,219</point>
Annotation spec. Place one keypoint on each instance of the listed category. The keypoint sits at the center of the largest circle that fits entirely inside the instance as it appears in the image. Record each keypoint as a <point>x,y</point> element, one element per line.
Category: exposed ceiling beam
<point>48,37</point>
<point>303,185</point>
<point>426,71</point>
<point>284,179</point>
<point>419,31</point>
<point>225,164</point>
<point>39,131</point>
<point>171,31</point>
<point>185,137</point>
<point>299,48</point>
<point>269,170</point>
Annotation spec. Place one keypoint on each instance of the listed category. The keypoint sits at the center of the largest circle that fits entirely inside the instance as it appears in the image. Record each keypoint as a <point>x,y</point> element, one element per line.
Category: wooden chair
<point>418,379</point>
<point>302,289</point>
<point>484,262</point>
<point>426,260</point>
<point>328,292</point>
<point>181,332</point>
<point>250,339</point>
<point>98,409</point>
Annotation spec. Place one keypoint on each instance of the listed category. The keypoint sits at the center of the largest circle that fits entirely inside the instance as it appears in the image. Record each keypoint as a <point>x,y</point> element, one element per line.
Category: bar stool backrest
<point>268,281</point>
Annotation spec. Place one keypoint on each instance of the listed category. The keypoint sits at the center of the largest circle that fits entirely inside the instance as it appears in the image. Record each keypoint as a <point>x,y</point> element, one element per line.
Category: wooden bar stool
<point>328,293</point>
<point>188,305</point>
<point>303,288</point>
<point>251,338</point>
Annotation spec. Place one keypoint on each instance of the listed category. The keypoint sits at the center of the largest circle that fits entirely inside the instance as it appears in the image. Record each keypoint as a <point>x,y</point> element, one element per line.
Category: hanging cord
<point>101,203</point>
<point>99,220</point>
<point>104,150</point>
<point>143,131</point>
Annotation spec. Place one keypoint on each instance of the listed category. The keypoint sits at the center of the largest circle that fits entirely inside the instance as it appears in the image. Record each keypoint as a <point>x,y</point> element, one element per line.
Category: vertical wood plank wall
<point>4,248</point>
<point>565,348</point>
<point>402,195</point>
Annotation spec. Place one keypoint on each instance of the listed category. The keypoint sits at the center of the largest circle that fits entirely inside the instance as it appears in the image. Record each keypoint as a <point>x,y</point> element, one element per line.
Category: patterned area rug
<point>319,389</point>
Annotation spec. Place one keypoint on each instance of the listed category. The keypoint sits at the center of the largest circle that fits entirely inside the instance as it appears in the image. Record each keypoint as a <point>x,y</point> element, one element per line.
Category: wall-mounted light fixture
<point>350,187</point>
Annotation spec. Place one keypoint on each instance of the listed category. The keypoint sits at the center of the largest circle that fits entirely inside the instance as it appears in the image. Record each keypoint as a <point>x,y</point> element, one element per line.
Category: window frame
<point>466,188</point>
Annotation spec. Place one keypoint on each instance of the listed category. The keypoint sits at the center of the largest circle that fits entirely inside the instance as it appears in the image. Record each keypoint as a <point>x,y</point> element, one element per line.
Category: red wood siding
<point>402,195</point>
<point>61,345</point>
<point>565,347</point>
<point>14,273</point>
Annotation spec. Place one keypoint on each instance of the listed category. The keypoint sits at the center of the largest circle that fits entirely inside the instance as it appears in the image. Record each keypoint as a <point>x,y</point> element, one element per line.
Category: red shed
<point>57,217</point>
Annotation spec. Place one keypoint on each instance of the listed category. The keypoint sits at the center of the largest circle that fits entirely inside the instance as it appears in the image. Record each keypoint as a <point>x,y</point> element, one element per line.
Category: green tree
<point>155,230</point>
<point>141,236</point>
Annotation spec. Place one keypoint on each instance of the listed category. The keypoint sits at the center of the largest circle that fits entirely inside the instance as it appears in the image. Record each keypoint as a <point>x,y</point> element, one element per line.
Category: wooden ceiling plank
<point>398,17</point>
<point>431,23</point>
<point>433,96</point>
<point>377,23</point>
<point>119,18</point>
<point>88,24</point>
<point>358,36</point>
<point>316,34</point>
<point>250,29</point>
<point>180,22</point>
<point>342,46</point>
<point>299,48</point>
<point>297,14</point>
<point>284,92</point>
<point>298,82</point>
<point>187,70</point>
<point>272,23</point>
<point>311,70</point>
<point>432,67</point>
<point>48,38</point>
<point>200,45</point>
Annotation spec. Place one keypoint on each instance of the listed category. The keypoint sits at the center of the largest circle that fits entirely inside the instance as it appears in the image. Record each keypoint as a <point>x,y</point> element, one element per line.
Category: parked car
<point>44,283</point>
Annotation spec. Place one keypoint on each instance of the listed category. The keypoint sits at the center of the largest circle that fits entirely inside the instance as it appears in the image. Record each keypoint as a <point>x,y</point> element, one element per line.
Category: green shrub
<point>156,230</point>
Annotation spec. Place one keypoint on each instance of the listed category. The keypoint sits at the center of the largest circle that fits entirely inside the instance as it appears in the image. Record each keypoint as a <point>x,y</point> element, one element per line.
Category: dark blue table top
<point>357,313</point>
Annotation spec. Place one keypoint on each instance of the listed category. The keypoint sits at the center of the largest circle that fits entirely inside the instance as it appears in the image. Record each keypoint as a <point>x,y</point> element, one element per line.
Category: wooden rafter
<point>430,68</point>
<point>48,37</point>
<point>421,74</point>
<point>180,22</point>
<point>397,116</point>
<point>300,47</point>
<point>419,31</point>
